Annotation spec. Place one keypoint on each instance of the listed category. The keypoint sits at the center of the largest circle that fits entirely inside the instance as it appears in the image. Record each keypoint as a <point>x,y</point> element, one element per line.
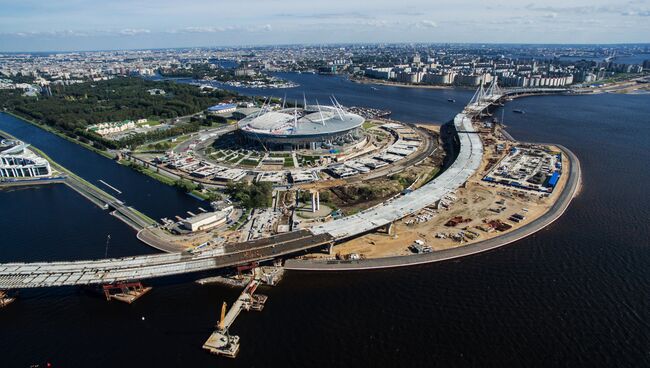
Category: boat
<point>519,111</point>
<point>451,100</point>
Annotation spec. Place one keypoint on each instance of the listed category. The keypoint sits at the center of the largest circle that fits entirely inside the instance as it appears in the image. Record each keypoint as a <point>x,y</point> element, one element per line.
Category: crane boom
<point>222,320</point>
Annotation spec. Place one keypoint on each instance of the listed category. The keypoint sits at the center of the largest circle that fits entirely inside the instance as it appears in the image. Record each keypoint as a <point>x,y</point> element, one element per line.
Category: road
<point>555,212</point>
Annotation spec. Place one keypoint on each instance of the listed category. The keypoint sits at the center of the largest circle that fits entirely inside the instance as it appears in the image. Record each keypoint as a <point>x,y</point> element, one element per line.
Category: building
<point>311,127</point>
<point>441,78</point>
<point>112,127</point>
<point>17,161</point>
<point>380,73</point>
<point>222,108</point>
<point>206,220</point>
<point>244,72</point>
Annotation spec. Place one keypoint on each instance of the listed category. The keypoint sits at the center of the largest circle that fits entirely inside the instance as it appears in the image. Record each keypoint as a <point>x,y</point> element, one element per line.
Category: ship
<point>451,100</point>
<point>519,111</point>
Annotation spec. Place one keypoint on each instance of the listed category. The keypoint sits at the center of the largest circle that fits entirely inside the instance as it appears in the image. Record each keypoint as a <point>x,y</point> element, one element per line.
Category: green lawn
<point>288,162</point>
<point>368,124</point>
<point>249,162</point>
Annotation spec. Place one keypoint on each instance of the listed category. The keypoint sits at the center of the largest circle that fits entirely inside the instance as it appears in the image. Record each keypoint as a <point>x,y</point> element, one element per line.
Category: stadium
<point>311,127</point>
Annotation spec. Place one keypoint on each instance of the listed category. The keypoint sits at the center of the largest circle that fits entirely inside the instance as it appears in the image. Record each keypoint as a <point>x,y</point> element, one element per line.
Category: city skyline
<point>72,25</point>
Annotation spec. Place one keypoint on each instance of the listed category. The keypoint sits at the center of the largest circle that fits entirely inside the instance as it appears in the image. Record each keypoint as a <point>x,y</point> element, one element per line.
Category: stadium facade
<point>312,127</point>
<point>17,161</point>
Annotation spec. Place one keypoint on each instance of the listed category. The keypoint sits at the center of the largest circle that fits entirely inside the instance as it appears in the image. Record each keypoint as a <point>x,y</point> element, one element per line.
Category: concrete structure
<point>17,161</point>
<point>206,220</point>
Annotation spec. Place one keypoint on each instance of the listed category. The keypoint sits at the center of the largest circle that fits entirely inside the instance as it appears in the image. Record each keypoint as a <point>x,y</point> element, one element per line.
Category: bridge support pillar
<point>388,229</point>
<point>126,292</point>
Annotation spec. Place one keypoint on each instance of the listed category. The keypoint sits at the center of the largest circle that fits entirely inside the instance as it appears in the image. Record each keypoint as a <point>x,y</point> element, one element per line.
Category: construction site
<point>480,209</point>
<point>392,159</point>
<point>410,198</point>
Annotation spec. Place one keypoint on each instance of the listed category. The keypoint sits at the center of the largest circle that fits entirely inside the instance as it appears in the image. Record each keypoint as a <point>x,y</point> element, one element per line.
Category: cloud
<point>59,33</point>
<point>328,15</point>
<point>78,33</point>
<point>220,29</point>
<point>634,13</point>
<point>426,24</point>
<point>133,31</point>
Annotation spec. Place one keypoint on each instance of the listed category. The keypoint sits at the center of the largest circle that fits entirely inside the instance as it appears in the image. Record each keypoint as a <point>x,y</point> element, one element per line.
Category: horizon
<point>333,44</point>
<point>70,25</point>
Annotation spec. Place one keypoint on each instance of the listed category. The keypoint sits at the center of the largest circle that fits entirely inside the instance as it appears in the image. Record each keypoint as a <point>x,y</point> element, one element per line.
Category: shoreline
<point>60,134</point>
<point>381,82</point>
<point>571,190</point>
<point>105,154</point>
<point>614,87</point>
<point>87,190</point>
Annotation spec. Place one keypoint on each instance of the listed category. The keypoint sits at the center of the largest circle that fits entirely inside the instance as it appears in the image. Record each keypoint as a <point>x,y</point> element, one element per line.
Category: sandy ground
<point>473,202</point>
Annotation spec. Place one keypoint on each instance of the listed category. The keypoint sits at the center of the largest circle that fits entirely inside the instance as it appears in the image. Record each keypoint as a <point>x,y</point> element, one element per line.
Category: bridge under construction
<point>125,269</point>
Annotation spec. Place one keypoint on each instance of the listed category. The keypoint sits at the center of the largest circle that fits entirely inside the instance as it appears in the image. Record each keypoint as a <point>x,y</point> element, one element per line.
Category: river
<point>574,294</point>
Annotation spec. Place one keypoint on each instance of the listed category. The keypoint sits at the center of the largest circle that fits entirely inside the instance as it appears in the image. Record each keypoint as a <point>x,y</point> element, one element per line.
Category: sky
<point>70,25</point>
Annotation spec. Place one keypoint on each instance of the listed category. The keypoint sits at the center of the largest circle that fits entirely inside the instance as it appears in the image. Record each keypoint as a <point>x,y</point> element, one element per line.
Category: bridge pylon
<point>479,95</point>
<point>494,90</point>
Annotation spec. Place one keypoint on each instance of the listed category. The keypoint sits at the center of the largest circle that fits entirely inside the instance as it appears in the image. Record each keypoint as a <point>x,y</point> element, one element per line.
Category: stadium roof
<point>299,122</point>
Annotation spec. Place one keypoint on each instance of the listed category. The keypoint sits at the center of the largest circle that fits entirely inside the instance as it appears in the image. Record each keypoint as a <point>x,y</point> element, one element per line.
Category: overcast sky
<point>52,25</point>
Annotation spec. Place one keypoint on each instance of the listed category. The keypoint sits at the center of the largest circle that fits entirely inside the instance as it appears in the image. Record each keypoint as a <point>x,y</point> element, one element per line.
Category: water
<point>575,294</point>
<point>632,59</point>
<point>139,191</point>
<point>412,105</point>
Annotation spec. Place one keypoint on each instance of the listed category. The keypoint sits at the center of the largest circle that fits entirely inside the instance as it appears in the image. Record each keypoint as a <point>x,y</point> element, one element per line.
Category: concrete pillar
<point>388,229</point>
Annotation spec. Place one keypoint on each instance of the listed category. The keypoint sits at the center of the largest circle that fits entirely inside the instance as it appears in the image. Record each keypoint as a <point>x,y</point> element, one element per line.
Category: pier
<point>221,342</point>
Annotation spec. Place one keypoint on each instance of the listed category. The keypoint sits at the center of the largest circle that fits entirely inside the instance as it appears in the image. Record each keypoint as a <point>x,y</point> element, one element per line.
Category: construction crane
<point>222,321</point>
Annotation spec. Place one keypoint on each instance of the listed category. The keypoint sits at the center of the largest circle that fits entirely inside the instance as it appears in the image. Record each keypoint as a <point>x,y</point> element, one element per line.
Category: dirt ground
<point>474,203</point>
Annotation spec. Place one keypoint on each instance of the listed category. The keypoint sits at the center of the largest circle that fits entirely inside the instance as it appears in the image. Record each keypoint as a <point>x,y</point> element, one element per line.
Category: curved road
<point>555,212</point>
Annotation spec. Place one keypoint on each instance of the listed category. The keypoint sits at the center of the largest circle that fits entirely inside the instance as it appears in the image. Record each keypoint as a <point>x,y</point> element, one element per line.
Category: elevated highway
<point>104,271</point>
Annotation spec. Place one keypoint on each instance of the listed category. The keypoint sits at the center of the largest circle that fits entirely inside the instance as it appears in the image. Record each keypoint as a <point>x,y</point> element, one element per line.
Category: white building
<point>113,127</point>
<point>16,161</point>
<point>207,220</point>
